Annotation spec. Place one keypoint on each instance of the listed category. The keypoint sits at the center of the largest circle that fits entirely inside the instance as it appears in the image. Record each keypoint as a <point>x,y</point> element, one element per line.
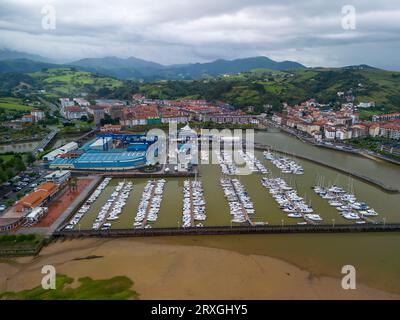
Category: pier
<point>144,224</point>
<point>246,215</point>
<point>257,229</point>
<point>191,204</point>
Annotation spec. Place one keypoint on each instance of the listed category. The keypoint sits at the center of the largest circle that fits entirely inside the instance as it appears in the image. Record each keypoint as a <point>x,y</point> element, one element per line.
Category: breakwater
<point>266,229</point>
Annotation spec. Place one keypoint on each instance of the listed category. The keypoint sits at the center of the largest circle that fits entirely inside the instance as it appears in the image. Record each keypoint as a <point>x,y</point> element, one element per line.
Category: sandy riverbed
<point>167,271</point>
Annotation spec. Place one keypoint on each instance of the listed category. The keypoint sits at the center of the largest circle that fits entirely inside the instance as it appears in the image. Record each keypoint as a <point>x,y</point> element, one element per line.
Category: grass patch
<point>13,104</point>
<point>116,288</point>
<point>19,240</point>
<point>6,157</point>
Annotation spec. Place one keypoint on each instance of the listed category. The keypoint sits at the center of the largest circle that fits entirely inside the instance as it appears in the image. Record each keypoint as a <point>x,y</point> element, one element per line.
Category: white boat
<point>313,217</point>
<point>295,215</point>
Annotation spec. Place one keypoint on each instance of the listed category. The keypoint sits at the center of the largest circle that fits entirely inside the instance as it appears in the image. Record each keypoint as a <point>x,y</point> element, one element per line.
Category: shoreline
<point>181,271</point>
<point>355,151</point>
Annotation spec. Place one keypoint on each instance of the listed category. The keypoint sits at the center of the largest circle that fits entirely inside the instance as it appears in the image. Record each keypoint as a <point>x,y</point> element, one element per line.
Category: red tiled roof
<point>74,109</point>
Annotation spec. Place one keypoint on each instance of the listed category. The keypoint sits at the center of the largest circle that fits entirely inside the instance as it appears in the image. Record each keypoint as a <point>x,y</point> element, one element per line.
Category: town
<point>314,122</point>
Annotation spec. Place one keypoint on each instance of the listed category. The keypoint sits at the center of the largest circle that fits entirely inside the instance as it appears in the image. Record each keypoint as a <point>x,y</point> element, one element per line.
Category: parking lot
<point>23,183</point>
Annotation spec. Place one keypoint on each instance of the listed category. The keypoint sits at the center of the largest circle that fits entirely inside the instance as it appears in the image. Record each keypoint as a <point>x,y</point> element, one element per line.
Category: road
<point>53,107</point>
<point>43,144</point>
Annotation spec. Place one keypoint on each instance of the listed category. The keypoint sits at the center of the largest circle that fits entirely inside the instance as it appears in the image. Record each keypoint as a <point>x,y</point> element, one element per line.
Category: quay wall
<point>127,174</point>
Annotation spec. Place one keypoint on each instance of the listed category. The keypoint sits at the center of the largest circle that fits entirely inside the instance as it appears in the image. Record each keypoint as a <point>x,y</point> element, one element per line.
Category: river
<point>384,171</point>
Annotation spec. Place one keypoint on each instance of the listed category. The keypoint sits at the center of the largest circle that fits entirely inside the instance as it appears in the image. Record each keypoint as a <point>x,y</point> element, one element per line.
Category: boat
<point>295,215</point>
<point>313,217</point>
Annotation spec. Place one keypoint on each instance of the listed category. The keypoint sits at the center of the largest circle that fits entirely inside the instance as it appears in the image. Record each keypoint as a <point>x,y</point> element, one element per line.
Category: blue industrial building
<point>99,154</point>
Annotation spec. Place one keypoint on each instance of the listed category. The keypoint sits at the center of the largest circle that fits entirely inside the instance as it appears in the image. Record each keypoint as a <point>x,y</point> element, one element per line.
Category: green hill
<point>59,82</point>
<point>263,86</point>
<point>258,87</point>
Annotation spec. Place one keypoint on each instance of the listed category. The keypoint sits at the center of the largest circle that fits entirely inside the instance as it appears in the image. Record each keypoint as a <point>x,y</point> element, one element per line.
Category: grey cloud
<point>176,31</point>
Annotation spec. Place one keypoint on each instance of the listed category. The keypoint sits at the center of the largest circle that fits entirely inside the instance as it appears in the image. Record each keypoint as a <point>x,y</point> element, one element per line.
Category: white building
<point>101,144</point>
<point>343,134</point>
<point>82,102</point>
<point>65,102</point>
<point>277,118</point>
<point>64,149</point>
<point>36,214</point>
<point>38,114</point>
<point>74,112</point>
<point>330,133</point>
<point>58,177</point>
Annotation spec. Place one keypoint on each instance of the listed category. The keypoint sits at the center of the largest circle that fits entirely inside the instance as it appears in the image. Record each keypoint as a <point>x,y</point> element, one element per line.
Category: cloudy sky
<point>182,31</point>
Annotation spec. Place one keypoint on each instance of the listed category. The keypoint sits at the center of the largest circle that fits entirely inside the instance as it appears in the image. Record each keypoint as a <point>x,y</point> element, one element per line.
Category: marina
<point>285,164</point>
<point>226,163</point>
<point>266,210</point>
<point>113,207</point>
<point>86,206</point>
<point>150,204</point>
<point>240,204</point>
<point>289,201</point>
<point>194,205</point>
<point>252,162</point>
<point>346,203</point>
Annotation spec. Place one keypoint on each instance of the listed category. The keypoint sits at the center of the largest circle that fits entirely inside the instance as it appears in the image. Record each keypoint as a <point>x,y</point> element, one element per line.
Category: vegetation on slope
<point>258,88</point>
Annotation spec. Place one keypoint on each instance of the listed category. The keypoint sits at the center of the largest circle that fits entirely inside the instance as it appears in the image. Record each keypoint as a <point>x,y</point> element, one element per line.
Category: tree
<point>30,158</point>
<point>3,176</point>
<point>19,164</point>
<point>10,173</point>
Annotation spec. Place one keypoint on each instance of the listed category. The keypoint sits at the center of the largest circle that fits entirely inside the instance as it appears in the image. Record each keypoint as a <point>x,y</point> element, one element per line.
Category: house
<point>277,118</point>
<point>74,112</point>
<point>374,129</point>
<point>343,134</point>
<point>386,117</point>
<point>317,135</point>
<point>366,105</point>
<point>390,130</point>
<point>359,131</point>
<point>38,114</point>
<point>291,122</point>
<point>27,118</point>
<point>98,113</point>
<point>82,102</point>
<point>302,126</point>
<point>65,102</point>
<point>330,133</point>
<point>313,127</point>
